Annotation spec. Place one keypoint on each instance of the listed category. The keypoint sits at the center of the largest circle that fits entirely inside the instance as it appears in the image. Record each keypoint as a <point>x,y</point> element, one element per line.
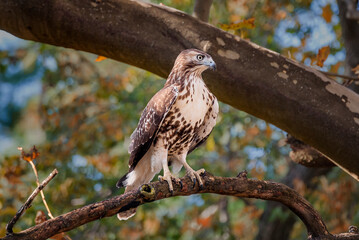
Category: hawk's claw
<point>195,176</point>
<point>169,178</point>
<point>180,182</point>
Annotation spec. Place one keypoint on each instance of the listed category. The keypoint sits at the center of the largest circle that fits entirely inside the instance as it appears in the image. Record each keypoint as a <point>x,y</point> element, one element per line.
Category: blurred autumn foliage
<point>85,107</point>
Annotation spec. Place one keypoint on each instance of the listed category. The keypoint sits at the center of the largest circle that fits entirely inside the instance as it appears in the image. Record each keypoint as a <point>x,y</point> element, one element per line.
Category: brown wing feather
<point>150,122</point>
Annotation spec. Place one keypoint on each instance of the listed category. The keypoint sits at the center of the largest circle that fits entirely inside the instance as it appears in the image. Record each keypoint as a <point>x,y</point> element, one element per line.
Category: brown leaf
<point>257,173</point>
<point>327,13</point>
<point>29,156</point>
<point>268,131</point>
<point>253,131</point>
<point>356,70</point>
<point>322,55</point>
<point>335,67</point>
<point>40,217</point>
<point>246,23</point>
<point>60,236</point>
<point>100,58</point>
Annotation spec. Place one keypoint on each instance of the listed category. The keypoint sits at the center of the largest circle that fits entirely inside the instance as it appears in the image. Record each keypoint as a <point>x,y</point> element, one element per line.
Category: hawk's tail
<point>122,182</point>
<point>141,174</point>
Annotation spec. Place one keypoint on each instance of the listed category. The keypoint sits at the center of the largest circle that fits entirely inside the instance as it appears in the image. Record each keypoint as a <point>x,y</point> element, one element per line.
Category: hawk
<point>175,121</point>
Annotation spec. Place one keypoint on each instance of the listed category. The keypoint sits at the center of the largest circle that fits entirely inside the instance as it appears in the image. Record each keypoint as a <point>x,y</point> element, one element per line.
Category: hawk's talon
<point>195,176</point>
<point>194,182</point>
<point>169,178</point>
<point>180,182</point>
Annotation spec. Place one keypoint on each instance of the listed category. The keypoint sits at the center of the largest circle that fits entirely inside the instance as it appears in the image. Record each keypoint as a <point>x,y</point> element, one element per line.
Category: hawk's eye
<point>200,57</point>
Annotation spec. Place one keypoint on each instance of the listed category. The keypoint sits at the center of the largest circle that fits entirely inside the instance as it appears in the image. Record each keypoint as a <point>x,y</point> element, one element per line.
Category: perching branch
<point>28,202</point>
<point>235,186</point>
<point>296,98</point>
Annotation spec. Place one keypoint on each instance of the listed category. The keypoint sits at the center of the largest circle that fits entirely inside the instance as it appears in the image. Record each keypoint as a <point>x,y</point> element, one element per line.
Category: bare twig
<point>340,75</point>
<point>201,9</point>
<point>41,192</point>
<point>28,202</point>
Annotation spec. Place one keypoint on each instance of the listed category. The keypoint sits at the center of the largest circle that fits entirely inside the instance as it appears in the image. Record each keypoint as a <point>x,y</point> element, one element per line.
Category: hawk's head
<point>194,60</point>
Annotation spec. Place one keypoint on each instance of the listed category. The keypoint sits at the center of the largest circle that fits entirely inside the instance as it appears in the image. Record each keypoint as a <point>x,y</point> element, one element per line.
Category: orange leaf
<point>356,70</point>
<point>268,131</point>
<point>40,217</point>
<point>100,58</point>
<point>29,156</point>
<point>327,13</point>
<point>335,67</point>
<point>322,55</point>
<point>246,23</point>
<point>205,222</point>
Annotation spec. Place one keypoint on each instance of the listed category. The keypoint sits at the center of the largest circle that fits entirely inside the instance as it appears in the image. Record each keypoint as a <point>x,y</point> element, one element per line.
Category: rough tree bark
<point>239,187</point>
<point>350,33</point>
<point>296,98</point>
<point>306,155</point>
<point>201,9</point>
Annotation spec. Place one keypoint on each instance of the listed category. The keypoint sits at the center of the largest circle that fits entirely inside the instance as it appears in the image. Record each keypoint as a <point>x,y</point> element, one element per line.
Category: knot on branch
<point>353,229</point>
<point>242,174</point>
<point>148,192</point>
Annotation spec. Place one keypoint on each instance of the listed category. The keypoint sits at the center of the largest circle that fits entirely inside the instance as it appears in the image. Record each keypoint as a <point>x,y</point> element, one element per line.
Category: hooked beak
<point>211,64</point>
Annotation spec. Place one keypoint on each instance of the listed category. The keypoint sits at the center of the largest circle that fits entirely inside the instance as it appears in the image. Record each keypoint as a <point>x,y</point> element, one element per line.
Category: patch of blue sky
<point>97,187</point>
<point>257,164</point>
<point>25,91</point>
<point>5,91</point>
<point>79,164</point>
<point>50,63</point>
<point>6,142</point>
<point>195,200</point>
<point>9,42</point>
<point>312,24</point>
<point>253,152</point>
<point>317,5</point>
<point>320,34</point>
<point>78,161</point>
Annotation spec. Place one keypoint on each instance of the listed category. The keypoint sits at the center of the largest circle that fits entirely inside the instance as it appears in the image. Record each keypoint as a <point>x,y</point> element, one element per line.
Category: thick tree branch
<point>201,9</point>
<point>239,187</point>
<point>296,98</point>
<point>352,12</point>
<point>306,155</point>
<point>350,35</point>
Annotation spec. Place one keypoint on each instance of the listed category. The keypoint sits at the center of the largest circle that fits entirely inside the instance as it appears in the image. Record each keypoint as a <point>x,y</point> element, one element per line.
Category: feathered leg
<point>190,172</point>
